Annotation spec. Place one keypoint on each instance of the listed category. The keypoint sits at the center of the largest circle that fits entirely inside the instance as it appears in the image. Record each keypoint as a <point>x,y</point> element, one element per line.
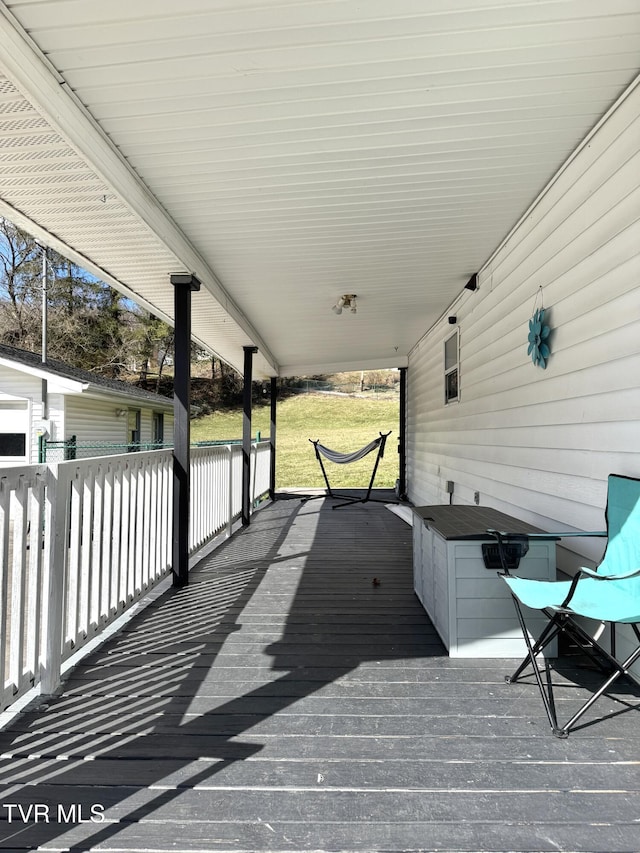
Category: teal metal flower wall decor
<point>538,339</point>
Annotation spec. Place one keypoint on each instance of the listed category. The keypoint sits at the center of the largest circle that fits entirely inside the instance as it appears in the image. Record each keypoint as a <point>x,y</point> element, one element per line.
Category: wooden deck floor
<point>285,702</point>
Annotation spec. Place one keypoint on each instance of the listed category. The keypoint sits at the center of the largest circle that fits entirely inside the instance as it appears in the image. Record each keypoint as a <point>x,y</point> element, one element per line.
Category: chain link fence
<point>71,448</point>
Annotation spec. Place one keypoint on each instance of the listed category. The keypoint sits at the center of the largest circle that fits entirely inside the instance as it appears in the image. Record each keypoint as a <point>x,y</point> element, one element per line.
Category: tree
<point>91,325</point>
<point>155,344</point>
<point>19,290</point>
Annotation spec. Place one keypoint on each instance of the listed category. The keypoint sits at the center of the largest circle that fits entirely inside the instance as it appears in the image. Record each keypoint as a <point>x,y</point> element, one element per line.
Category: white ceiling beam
<point>39,81</point>
<point>328,367</point>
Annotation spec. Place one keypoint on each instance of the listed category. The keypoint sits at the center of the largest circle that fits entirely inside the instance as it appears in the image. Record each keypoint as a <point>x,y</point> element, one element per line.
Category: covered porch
<point>456,169</point>
<point>295,697</point>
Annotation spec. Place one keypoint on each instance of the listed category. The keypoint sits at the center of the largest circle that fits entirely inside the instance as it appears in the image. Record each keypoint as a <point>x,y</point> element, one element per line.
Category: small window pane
<point>13,444</point>
<point>133,429</point>
<point>451,352</point>
<point>158,427</point>
<point>451,385</point>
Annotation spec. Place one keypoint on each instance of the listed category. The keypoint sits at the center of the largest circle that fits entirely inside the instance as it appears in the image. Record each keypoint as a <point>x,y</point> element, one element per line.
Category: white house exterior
<point>539,443</point>
<point>93,409</point>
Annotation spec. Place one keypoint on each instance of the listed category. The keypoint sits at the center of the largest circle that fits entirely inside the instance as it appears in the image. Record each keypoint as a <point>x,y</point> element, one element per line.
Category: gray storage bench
<point>469,605</point>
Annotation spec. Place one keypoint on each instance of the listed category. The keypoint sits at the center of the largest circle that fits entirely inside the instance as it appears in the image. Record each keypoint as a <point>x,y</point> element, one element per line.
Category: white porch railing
<point>81,541</point>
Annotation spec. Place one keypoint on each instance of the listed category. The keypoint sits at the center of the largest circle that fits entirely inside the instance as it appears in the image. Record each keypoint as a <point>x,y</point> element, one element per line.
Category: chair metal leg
<point>547,699</point>
<point>550,632</point>
<point>621,669</point>
<point>562,623</point>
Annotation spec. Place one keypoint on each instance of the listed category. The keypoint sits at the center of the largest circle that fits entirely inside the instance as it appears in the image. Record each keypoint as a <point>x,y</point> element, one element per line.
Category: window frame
<point>452,371</point>
<point>157,428</point>
<point>134,435</point>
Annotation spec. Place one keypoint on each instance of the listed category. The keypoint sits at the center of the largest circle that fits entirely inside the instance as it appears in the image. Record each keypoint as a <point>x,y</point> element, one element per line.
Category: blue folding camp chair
<point>610,595</point>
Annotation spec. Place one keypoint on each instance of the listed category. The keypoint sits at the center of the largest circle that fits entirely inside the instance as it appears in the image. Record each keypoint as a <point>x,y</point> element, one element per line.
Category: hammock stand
<point>344,459</point>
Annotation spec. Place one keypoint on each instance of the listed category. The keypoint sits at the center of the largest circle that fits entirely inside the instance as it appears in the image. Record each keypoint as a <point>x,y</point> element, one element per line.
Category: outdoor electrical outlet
<point>450,487</point>
<point>476,497</point>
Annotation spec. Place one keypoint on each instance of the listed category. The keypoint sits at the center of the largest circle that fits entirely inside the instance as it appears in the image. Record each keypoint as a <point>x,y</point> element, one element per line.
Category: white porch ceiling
<point>289,152</point>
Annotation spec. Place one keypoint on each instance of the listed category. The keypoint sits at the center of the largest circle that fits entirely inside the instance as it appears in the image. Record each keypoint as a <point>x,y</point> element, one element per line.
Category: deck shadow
<point>323,592</point>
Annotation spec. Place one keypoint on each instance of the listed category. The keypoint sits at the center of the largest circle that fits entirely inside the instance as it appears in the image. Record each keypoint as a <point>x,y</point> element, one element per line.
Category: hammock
<point>344,459</point>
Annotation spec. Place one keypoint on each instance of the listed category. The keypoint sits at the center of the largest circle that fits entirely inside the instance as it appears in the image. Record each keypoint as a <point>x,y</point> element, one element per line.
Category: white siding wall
<point>95,420</point>
<point>88,418</point>
<point>536,443</point>
<point>14,383</point>
<point>56,416</point>
<point>18,385</point>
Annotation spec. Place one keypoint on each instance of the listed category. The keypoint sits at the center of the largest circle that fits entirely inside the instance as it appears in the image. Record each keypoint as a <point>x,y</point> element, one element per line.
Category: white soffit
<point>303,150</point>
<point>74,198</point>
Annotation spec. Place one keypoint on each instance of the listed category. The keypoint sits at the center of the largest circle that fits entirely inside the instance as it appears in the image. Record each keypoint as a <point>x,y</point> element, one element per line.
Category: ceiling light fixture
<point>346,301</point>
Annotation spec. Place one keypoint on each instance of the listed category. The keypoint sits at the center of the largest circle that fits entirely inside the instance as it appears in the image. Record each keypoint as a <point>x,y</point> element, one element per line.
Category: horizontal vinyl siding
<point>536,443</point>
<point>94,420</point>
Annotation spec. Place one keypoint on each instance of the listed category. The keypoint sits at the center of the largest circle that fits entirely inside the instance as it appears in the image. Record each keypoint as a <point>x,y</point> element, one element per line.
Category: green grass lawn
<point>341,423</point>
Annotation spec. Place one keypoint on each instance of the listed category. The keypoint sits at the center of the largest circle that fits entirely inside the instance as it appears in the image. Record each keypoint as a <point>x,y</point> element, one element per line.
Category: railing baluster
<point>116,537</point>
<point>86,574</point>
<point>57,522</point>
<point>97,571</point>
<point>125,533</point>
<point>138,506</point>
<point>147,523</point>
<point>131,521</point>
<point>73,566</point>
<point>160,534</point>
<point>109,597</point>
<point>18,580</point>
<point>34,578</point>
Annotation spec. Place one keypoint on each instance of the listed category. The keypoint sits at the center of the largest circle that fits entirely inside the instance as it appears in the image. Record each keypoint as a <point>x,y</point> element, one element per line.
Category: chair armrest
<point>594,574</point>
<point>568,534</point>
<point>564,534</point>
<point>590,573</point>
<point>552,534</point>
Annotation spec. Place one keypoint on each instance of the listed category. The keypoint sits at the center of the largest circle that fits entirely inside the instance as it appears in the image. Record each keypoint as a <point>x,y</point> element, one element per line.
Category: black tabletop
<point>470,522</point>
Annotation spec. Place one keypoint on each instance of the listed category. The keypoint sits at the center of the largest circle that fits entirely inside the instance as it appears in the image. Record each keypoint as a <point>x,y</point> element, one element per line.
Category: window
<point>133,429</point>
<point>14,426</point>
<point>13,444</point>
<point>451,359</point>
<point>158,427</point>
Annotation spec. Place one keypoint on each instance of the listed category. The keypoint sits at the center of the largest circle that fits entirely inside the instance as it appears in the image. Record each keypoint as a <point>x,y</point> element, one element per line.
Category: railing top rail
<point>13,473</point>
<point>134,459</point>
